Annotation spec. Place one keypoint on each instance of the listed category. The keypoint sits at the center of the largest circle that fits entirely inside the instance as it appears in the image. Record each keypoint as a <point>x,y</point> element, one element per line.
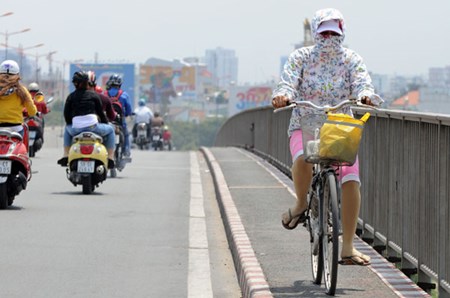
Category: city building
<point>223,65</point>
<point>409,101</point>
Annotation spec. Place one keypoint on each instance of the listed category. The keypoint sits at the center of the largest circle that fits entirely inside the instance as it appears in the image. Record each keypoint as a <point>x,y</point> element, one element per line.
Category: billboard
<point>247,97</point>
<point>104,71</point>
<point>159,83</point>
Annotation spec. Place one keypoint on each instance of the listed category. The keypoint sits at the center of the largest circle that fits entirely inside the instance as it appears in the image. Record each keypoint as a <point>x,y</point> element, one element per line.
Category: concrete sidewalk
<point>272,261</point>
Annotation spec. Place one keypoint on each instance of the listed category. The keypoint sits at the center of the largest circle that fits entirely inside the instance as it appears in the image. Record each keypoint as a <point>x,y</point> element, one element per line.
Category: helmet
<point>33,87</point>
<point>91,78</point>
<point>141,102</point>
<point>80,77</point>
<point>9,67</point>
<point>115,80</point>
<point>166,127</point>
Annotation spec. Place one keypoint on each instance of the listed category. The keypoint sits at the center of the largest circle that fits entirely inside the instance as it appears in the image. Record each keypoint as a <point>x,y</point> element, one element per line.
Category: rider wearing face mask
<point>326,73</point>
<point>114,91</point>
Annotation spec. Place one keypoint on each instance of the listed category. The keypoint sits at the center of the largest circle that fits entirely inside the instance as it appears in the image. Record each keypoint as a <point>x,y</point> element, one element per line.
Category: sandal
<point>354,260</point>
<point>299,218</point>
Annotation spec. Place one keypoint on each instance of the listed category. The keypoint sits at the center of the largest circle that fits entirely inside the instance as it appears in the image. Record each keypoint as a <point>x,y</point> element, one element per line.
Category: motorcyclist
<point>82,111</point>
<point>157,120</point>
<point>106,101</point>
<point>41,105</point>
<point>142,114</point>
<point>114,91</point>
<point>38,98</point>
<point>167,137</point>
<point>14,97</point>
<point>156,127</point>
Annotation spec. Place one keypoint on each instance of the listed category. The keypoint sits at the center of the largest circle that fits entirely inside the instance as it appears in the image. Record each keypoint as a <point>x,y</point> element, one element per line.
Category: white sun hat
<point>330,25</point>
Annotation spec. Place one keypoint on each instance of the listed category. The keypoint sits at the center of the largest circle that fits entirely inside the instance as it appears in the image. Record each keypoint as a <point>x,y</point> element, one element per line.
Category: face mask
<point>113,91</point>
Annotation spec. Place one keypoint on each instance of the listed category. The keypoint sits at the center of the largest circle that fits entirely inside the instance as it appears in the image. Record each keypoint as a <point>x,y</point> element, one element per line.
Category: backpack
<point>116,104</point>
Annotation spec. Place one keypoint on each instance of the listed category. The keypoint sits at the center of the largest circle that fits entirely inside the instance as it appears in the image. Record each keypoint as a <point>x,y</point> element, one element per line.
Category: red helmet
<point>98,89</point>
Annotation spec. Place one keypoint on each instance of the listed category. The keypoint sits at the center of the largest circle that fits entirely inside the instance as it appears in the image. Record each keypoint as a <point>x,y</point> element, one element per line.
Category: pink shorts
<point>346,173</point>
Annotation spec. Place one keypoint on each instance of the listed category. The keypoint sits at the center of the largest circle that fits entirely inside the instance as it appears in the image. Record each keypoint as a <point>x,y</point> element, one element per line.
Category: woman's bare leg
<point>301,176</point>
<point>350,204</point>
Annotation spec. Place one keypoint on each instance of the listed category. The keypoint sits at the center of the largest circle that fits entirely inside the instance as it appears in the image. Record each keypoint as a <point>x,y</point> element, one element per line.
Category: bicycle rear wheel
<point>330,236</point>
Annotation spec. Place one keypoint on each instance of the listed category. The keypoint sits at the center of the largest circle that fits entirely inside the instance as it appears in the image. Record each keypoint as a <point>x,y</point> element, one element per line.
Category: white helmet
<point>9,67</point>
<point>33,87</point>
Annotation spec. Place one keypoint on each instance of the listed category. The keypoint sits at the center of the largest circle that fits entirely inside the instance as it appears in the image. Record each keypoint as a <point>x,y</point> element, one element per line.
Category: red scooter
<point>36,130</point>
<point>36,140</point>
<point>15,165</point>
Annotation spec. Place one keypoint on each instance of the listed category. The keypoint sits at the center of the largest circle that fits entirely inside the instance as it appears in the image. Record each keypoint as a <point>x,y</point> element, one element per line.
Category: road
<point>154,231</point>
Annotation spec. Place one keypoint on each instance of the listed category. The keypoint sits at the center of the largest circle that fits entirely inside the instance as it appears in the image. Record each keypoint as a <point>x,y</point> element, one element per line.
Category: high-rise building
<point>223,65</point>
<point>439,77</point>
<point>381,84</point>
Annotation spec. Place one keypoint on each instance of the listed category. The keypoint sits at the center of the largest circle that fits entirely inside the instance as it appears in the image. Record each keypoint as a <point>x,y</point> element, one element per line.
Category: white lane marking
<point>199,272</point>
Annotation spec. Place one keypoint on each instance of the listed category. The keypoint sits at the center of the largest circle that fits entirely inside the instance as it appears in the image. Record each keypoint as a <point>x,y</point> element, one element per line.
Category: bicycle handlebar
<point>326,108</point>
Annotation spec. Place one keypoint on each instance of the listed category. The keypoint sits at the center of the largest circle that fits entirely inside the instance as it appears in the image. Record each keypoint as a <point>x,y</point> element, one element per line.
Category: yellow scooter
<point>87,161</point>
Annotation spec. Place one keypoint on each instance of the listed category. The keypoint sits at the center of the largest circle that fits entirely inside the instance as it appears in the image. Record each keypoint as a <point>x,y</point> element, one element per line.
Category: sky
<point>403,37</point>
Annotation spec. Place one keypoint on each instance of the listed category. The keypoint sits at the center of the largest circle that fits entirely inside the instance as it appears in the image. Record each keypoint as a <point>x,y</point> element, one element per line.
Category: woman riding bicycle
<point>326,73</point>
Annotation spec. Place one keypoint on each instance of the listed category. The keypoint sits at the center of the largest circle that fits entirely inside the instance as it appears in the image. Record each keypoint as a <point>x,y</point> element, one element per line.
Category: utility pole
<point>50,63</point>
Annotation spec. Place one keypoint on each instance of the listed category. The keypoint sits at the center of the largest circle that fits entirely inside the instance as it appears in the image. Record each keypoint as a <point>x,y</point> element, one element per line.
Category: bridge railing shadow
<point>404,166</point>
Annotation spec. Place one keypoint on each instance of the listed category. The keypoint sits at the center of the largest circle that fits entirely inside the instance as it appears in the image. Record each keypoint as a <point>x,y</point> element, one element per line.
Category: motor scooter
<point>119,151</point>
<point>157,140</point>
<point>142,138</point>
<point>15,165</point>
<point>120,160</point>
<point>36,131</point>
<point>167,139</point>
<point>87,161</point>
<point>35,138</point>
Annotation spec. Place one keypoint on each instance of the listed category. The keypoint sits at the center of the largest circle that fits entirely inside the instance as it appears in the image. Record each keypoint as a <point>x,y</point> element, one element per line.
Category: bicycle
<point>320,129</point>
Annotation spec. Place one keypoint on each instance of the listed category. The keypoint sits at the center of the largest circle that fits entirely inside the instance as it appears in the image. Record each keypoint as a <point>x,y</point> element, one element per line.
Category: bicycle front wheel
<point>315,238</point>
<point>330,236</point>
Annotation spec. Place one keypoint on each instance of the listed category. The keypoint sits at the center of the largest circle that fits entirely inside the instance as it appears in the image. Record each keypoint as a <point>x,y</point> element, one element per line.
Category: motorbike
<point>118,152</point>
<point>157,139</point>
<point>167,143</point>
<point>142,138</point>
<point>87,161</point>
<point>35,137</point>
<point>15,165</point>
<point>36,131</point>
<point>120,160</point>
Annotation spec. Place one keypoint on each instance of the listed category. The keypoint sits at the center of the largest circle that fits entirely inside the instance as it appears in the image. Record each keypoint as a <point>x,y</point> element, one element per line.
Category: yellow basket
<point>336,140</point>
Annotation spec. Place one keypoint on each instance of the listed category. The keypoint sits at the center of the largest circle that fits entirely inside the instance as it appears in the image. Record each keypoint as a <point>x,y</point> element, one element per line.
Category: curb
<point>251,278</point>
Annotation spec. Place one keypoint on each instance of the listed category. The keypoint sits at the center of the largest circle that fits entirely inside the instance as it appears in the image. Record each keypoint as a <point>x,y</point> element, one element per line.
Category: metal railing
<point>404,168</point>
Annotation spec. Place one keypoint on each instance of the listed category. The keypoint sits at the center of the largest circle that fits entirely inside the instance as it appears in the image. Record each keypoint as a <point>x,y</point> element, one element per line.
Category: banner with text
<point>247,97</point>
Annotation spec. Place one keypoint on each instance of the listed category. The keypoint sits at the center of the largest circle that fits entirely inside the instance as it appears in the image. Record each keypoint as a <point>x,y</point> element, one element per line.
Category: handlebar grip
<point>290,106</point>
